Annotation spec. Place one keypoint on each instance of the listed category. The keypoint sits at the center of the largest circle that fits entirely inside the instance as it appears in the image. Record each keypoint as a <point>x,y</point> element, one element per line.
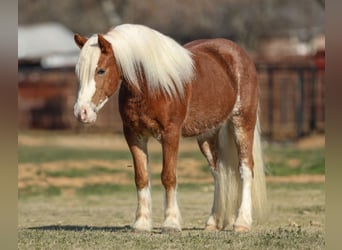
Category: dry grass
<point>296,221</point>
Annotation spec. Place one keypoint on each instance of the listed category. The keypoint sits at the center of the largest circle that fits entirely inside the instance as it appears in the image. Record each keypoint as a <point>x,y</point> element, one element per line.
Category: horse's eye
<point>101,71</point>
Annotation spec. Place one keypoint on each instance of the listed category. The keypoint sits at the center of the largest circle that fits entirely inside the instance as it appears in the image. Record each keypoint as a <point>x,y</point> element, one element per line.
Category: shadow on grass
<point>122,229</point>
<point>77,228</point>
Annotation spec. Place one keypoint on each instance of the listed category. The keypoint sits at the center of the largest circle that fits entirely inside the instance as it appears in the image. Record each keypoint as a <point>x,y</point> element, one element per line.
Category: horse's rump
<point>219,68</point>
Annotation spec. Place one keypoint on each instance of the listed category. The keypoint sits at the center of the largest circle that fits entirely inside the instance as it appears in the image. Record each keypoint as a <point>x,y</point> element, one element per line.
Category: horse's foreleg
<point>138,148</point>
<point>172,217</point>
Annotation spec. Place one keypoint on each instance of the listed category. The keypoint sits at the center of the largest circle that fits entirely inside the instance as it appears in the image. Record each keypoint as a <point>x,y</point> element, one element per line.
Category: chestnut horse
<point>207,89</point>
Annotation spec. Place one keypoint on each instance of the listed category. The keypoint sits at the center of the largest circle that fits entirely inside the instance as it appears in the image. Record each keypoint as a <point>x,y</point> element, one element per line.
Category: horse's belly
<point>208,109</point>
<point>201,121</point>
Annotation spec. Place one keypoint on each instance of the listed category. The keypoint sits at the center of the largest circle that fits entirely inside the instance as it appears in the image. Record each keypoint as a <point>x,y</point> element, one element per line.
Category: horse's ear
<point>80,40</point>
<point>104,45</point>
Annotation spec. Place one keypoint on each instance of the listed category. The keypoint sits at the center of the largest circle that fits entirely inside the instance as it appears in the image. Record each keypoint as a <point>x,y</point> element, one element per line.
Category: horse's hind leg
<point>208,145</point>
<point>138,147</point>
<point>244,134</point>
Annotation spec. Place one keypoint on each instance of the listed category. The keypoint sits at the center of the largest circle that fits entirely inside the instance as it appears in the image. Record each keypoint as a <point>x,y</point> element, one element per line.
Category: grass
<point>102,189</point>
<point>102,220</point>
<point>288,160</point>
<point>99,215</point>
<point>75,172</point>
<point>36,191</point>
<point>280,160</point>
<point>88,238</point>
<point>40,154</point>
<point>296,186</point>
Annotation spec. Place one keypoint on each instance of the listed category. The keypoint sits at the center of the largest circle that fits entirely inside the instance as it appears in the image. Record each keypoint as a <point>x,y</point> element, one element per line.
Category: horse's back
<point>229,53</point>
<point>221,67</point>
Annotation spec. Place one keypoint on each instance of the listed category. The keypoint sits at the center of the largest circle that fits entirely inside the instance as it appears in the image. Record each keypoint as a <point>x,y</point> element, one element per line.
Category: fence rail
<point>292,96</point>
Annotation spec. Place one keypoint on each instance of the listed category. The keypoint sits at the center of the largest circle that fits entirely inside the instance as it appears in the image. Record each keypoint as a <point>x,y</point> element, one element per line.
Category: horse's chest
<point>151,115</point>
<point>138,117</point>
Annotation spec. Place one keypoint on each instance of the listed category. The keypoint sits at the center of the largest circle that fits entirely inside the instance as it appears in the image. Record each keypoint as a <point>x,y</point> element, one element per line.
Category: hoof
<point>240,229</point>
<point>171,226</point>
<point>211,228</point>
<point>142,226</point>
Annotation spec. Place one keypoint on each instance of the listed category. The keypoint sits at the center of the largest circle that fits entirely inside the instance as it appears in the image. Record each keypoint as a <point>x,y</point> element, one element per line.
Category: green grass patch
<point>192,186</point>
<point>296,186</point>
<point>104,189</point>
<point>38,154</point>
<point>286,160</point>
<point>30,191</point>
<point>76,172</point>
<point>195,155</point>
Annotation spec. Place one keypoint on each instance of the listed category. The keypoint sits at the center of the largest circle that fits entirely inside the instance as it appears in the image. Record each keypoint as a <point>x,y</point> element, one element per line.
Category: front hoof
<point>240,229</point>
<point>142,226</point>
<point>171,226</point>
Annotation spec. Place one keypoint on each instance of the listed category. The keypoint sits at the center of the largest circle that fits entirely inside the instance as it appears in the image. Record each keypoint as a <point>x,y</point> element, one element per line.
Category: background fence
<point>292,100</point>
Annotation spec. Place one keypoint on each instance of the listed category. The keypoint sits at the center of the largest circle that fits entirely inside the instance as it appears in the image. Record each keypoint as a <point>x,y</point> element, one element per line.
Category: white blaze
<point>85,71</point>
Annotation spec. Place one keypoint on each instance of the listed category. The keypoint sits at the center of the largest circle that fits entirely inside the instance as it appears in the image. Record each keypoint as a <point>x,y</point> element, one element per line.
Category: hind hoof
<point>211,228</point>
<point>241,229</point>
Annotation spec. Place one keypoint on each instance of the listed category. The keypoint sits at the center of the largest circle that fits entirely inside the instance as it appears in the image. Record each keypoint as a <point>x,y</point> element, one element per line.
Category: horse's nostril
<point>83,114</point>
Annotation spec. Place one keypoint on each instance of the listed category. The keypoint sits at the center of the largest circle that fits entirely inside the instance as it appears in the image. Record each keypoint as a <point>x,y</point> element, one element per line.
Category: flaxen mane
<point>138,50</point>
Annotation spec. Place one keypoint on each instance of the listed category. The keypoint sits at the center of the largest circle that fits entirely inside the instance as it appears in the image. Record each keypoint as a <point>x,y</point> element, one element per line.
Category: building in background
<point>49,45</point>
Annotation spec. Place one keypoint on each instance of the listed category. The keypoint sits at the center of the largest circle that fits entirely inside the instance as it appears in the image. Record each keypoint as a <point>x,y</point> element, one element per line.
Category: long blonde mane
<point>141,51</point>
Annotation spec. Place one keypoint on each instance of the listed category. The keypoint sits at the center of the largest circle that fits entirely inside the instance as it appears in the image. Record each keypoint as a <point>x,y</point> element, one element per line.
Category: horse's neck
<point>130,95</point>
<point>131,88</point>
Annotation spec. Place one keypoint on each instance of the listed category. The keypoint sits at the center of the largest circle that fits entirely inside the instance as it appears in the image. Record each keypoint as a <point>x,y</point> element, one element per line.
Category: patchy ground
<point>76,191</point>
<point>111,141</point>
<point>63,173</point>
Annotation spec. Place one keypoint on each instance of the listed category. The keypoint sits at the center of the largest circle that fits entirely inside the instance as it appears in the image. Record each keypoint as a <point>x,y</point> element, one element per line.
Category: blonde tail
<point>259,194</point>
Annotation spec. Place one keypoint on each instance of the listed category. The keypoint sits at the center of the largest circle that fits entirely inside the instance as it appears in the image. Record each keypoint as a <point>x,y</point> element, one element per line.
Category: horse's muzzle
<point>85,113</point>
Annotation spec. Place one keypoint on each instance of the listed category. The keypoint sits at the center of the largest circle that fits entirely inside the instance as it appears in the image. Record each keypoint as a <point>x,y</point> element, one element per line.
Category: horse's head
<point>98,76</point>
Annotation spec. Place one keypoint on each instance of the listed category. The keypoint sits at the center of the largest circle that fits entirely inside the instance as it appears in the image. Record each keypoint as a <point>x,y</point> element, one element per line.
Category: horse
<point>206,89</point>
